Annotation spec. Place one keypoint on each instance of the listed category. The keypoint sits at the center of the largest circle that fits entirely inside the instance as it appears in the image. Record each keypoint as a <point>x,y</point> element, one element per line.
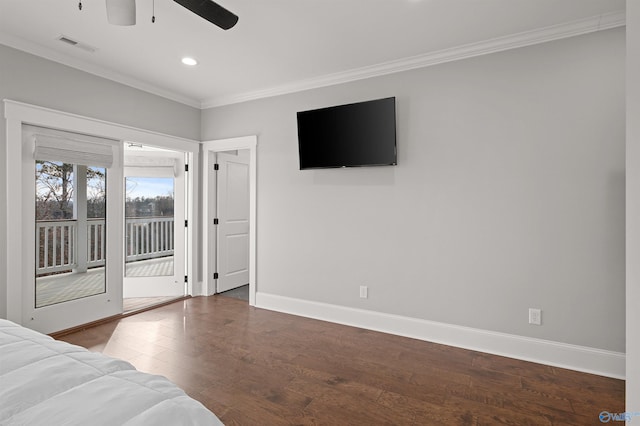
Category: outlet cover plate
<point>364,291</point>
<point>535,316</point>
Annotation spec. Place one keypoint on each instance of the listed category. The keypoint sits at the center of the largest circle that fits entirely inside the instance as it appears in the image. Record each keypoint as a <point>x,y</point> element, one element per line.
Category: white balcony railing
<point>148,238</point>
<point>57,245</point>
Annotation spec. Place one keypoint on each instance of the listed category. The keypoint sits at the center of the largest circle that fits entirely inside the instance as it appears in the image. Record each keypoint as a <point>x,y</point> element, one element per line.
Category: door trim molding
<point>243,142</point>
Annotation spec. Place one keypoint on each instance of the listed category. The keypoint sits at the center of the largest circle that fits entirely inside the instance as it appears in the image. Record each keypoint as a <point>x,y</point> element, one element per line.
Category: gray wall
<point>509,194</point>
<point>30,79</point>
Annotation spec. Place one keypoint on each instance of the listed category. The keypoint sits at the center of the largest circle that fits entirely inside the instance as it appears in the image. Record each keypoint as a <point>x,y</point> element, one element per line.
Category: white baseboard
<point>574,357</point>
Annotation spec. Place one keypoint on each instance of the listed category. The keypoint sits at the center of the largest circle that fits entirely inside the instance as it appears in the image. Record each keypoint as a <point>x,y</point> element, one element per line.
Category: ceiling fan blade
<point>211,11</point>
<point>121,12</point>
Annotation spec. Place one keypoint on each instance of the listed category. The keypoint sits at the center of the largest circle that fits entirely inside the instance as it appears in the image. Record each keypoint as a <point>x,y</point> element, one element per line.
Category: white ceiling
<point>280,46</point>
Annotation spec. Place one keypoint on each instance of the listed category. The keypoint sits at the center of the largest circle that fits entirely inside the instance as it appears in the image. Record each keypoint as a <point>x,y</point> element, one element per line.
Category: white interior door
<point>154,237</point>
<point>233,220</point>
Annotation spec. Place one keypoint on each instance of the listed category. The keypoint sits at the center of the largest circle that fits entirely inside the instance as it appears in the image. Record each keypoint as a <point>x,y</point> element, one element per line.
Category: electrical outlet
<point>535,316</point>
<point>364,291</point>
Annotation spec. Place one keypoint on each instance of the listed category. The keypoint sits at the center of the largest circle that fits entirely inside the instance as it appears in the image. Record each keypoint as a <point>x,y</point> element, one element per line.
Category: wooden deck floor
<point>256,367</point>
<point>70,286</point>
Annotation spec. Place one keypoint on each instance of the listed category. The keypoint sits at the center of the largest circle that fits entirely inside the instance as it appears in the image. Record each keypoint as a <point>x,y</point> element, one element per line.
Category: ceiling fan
<point>123,12</point>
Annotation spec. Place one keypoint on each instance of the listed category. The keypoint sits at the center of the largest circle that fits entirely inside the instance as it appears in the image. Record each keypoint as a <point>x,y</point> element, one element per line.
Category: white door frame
<point>18,251</point>
<point>208,252</point>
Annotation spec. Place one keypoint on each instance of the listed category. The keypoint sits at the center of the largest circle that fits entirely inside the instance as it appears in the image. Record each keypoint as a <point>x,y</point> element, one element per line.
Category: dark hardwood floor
<point>256,367</point>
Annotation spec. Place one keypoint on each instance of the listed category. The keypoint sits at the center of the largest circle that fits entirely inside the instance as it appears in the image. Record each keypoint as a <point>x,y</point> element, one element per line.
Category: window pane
<point>149,226</point>
<point>70,231</point>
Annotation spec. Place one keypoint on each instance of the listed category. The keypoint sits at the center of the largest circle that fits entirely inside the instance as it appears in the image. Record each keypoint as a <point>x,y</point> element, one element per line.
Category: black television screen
<point>353,135</point>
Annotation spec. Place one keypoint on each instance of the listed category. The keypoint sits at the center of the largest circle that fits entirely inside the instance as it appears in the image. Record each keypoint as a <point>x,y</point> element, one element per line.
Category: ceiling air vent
<point>75,43</point>
<point>68,40</point>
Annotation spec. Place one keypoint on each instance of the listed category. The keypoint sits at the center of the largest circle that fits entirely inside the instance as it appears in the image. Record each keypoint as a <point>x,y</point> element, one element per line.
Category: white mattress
<point>48,382</point>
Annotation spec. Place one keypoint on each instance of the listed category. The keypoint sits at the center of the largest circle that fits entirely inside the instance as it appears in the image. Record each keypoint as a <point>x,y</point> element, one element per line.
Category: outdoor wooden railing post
<point>80,214</point>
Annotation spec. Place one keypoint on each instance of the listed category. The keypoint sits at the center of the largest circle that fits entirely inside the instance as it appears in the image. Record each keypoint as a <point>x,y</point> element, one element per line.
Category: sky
<point>148,187</point>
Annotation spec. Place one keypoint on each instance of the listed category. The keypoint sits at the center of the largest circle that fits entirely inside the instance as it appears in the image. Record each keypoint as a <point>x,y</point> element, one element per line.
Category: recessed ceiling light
<point>189,61</point>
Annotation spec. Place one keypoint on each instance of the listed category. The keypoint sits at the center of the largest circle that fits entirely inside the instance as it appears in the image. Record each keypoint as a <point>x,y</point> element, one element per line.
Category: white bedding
<point>48,382</point>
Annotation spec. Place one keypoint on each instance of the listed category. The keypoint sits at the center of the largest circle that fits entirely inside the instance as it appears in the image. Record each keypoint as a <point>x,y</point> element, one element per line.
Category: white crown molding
<point>528,38</point>
<point>563,355</point>
<point>70,61</point>
<point>541,35</point>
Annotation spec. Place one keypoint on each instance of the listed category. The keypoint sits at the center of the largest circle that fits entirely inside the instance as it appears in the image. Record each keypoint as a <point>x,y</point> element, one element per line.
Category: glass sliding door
<point>70,229</point>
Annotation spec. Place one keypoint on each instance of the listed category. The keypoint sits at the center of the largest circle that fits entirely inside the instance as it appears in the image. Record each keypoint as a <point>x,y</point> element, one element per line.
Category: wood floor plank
<point>257,367</point>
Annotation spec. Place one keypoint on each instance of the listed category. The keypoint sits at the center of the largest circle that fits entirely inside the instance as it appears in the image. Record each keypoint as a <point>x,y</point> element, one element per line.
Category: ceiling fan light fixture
<point>189,61</point>
<point>121,12</point>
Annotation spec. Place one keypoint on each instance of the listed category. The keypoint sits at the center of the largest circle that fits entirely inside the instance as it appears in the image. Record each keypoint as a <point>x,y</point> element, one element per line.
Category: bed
<point>47,382</point>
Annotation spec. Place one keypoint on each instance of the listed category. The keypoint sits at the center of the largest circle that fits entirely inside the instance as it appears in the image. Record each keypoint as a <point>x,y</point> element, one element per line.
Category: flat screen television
<point>353,135</point>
